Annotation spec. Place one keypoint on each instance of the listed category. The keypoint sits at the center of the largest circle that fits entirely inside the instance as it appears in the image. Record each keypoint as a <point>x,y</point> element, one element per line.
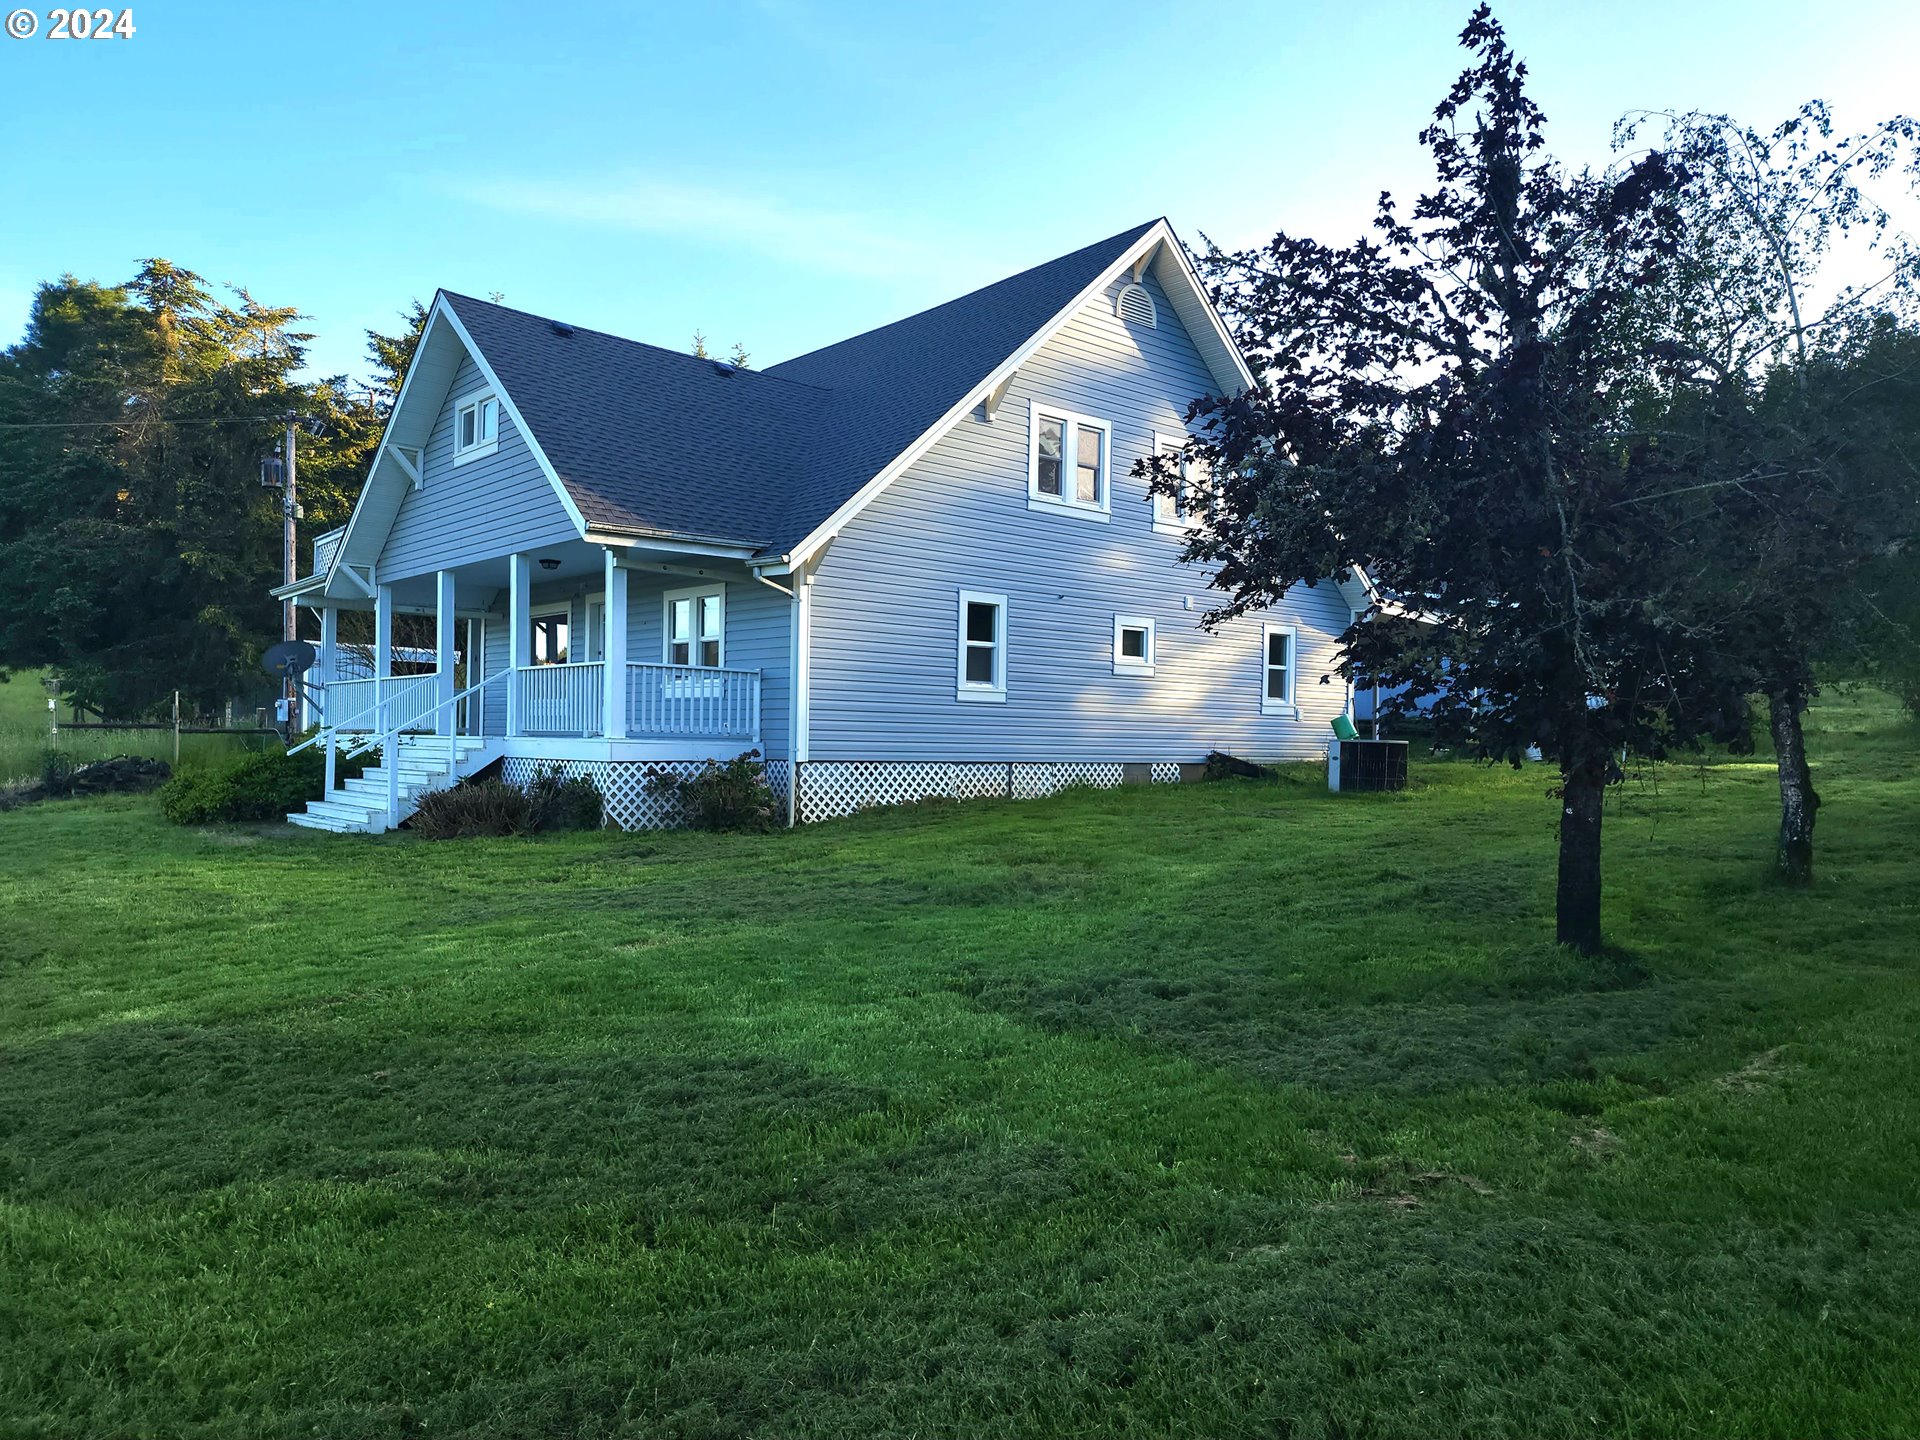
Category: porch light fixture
<point>547,562</point>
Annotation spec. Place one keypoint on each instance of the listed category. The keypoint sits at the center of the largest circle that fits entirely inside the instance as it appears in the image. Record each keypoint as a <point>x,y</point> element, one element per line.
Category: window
<point>1133,645</point>
<point>1069,464</point>
<point>550,636</point>
<point>1276,670</point>
<point>696,625</point>
<point>983,647</point>
<point>1175,515</point>
<point>476,427</point>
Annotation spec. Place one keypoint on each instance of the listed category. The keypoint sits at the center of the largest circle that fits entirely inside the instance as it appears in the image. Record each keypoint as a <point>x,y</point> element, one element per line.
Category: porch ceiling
<point>578,567</point>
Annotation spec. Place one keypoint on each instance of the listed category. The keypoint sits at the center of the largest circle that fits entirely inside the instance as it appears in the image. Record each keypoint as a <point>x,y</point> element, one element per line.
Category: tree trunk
<point>1797,799</point>
<point>1583,789</point>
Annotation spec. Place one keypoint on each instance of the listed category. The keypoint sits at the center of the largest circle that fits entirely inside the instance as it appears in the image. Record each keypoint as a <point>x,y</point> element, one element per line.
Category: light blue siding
<point>885,607</point>
<point>756,638</point>
<point>757,622</point>
<point>486,508</point>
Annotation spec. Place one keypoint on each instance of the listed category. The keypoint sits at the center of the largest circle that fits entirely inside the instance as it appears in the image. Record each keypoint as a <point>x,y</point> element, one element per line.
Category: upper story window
<point>476,426</point>
<point>1069,458</point>
<point>1277,664</point>
<point>696,625</point>
<point>1177,514</point>
<point>982,659</point>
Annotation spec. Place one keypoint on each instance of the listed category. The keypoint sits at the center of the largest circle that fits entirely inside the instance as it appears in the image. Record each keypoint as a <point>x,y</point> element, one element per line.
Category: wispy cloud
<point>812,238</point>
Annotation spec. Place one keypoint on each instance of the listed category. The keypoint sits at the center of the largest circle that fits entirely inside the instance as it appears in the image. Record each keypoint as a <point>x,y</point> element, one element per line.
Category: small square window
<point>1133,645</point>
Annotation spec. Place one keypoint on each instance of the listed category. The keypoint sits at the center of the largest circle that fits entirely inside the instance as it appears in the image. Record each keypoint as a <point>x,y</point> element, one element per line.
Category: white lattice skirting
<point>630,805</point>
<point>830,789</point>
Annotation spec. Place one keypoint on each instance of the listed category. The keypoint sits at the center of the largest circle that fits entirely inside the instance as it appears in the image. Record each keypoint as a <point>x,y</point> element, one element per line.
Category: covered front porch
<point>573,651</point>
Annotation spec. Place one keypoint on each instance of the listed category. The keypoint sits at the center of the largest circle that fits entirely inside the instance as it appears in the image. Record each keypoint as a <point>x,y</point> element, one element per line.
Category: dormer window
<point>476,426</point>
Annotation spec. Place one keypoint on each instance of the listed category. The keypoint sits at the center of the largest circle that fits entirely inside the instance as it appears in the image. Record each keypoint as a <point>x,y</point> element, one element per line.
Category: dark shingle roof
<point>652,440</point>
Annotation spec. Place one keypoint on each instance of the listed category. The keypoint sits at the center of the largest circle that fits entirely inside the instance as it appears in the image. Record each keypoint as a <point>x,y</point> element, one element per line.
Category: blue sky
<point>784,172</point>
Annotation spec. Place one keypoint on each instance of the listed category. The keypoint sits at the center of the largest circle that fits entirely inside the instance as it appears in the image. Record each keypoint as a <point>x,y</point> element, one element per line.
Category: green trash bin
<point>1343,727</point>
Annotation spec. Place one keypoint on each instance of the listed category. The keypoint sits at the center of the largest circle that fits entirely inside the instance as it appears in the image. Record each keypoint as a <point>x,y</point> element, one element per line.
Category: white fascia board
<point>668,540</point>
<point>299,588</point>
<point>519,421</point>
<point>1160,234</point>
<point>1183,267</point>
<point>435,313</point>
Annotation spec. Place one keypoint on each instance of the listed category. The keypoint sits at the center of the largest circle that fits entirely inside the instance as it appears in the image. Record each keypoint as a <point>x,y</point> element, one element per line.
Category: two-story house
<point>912,563</point>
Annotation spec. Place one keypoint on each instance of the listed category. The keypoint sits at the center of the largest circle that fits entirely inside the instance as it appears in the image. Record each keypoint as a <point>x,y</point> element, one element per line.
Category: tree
<point>1788,376</point>
<point>737,357</point>
<point>1451,403</point>
<point>136,544</point>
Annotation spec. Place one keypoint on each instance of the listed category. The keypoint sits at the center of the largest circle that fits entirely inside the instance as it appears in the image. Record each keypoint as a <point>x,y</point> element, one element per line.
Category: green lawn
<point>1218,1110</point>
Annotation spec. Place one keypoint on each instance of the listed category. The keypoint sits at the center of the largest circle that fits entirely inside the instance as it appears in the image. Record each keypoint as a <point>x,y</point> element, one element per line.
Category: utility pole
<point>278,472</point>
<point>290,563</point>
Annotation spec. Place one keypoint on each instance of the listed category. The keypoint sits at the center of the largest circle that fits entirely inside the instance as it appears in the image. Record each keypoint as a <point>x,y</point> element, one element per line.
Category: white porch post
<point>329,653</point>
<point>383,631</point>
<point>443,645</point>
<point>613,651</point>
<point>382,653</point>
<point>519,636</point>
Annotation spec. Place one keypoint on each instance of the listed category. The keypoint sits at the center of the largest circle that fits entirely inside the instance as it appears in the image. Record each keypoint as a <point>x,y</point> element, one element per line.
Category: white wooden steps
<point>427,763</point>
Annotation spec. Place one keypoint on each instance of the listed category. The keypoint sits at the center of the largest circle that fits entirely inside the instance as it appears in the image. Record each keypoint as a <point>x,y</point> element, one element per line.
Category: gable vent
<point>1135,306</point>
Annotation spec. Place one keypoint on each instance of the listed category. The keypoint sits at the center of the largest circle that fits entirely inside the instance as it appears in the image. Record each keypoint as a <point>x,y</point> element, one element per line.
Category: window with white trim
<point>476,426</point>
<point>1069,457</point>
<point>982,658</point>
<point>696,626</point>
<point>1278,661</point>
<point>1133,645</point>
<point>1177,514</point>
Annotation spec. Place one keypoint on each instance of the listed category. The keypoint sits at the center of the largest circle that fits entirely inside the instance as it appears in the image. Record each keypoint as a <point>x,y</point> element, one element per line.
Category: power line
<point>278,419</point>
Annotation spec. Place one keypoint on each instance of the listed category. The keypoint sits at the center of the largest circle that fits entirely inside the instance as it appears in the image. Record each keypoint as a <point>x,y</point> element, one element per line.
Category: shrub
<point>552,801</point>
<point>563,802</point>
<point>266,786</point>
<point>473,808</point>
<point>721,795</point>
<point>56,772</point>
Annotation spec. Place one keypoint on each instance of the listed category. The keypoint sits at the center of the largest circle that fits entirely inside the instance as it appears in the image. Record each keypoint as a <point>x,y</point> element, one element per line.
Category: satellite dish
<point>288,659</point>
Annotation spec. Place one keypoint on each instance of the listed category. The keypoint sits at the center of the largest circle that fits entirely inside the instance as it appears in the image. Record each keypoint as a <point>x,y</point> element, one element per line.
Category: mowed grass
<point>1219,1110</point>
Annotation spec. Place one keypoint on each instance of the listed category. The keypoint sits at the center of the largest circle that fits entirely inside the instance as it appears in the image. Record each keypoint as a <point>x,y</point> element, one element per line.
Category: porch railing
<point>689,700</point>
<point>672,701</point>
<point>562,699</point>
<point>377,703</point>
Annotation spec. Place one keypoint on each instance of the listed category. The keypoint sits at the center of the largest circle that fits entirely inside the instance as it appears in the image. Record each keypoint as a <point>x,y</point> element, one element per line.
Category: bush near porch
<point>1224,1109</point>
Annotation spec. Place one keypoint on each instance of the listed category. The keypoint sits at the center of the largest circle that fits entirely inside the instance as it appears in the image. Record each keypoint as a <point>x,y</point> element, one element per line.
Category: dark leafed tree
<point>1451,402</point>
<point>1786,325</point>
<point>136,544</point>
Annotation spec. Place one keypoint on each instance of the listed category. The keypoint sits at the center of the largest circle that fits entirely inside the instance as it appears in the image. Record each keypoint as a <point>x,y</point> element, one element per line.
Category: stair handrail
<point>373,709</point>
<point>388,742</point>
